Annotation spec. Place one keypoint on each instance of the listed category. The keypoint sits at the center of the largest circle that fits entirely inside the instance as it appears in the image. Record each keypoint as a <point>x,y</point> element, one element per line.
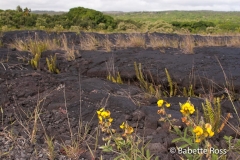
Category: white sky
<point>124,5</point>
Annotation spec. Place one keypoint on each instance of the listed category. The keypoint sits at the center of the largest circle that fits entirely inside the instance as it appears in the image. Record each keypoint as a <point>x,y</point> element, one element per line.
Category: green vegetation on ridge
<point>79,18</point>
<point>194,21</point>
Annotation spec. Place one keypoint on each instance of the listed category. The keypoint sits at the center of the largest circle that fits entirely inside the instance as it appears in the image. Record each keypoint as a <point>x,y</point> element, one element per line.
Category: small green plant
<point>52,65</point>
<point>117,79</point>
<point>112,75</point>
<point>148,87</point>
<point>212,113</point>
<point>188,92</point>
<point>172,86</point>
<point>35,60</point>
<point>233,143</point>
<point>50,152</point>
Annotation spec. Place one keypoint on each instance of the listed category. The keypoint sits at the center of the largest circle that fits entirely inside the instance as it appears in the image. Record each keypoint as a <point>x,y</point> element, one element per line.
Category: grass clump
<point>187,44</point>
<point>35,61</point>
<point>52,64</point>
<point>212,113</point>
<point>112,74</point>
<point>188,92</point>
<point>89,42</point>
<point>115,79</point>
<point>170,83</point>
<point>34,45</point>
<point>137,41</point>
<point>70,52</point>
<point>50,147</point>
<point>144,84</point>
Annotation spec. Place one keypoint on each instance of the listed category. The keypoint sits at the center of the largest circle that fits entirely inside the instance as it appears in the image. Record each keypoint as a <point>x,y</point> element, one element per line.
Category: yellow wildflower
<point>198,131</point>
<point>129,130</point>
<point>100,111</point>
<point>167,104</point>
<point>210,133</point>
<point>187,108</point>
<point>160,103</point>
<point>198,140</point>
<point>105,114</point>
<point>110,120</point>
<point>122,126</point>
<point>209,129</point>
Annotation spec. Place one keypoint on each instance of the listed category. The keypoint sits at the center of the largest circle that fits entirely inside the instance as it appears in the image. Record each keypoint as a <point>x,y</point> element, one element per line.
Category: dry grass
<point>37,46</point>
<point>70,51</point>
<point>34,45</point>
<point>89,42</point>
<point>106,44</point>
<point>121,41</point>
<point>133,40</point>
<point>162,42</point>
<point>207,41</point>
<point>187,44</point>
<point>157,42</point>
<point>137,40</point>
<point>234,41</point>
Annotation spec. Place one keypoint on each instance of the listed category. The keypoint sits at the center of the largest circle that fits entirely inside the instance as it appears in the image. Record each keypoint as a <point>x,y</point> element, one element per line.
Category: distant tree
<point>85,17</point>
<point>27,11</point>
<point>19,9</point>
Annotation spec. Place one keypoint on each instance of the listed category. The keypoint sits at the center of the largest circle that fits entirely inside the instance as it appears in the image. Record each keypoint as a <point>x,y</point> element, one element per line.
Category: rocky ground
<point>81,89</point>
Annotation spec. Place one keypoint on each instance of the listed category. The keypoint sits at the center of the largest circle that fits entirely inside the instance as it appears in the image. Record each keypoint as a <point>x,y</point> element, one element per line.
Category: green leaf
<point>189,156</point>
<point>195,146</point>
<point>189,141</point>
<point>106,148</point>
<point>176,140</point>
<point>214,156</point>
<point>185,132</point>
<point>184,146</point>
<point>177,130</point>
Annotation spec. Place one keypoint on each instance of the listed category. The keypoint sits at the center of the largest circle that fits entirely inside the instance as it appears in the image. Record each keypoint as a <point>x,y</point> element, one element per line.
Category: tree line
<point>81,17</point>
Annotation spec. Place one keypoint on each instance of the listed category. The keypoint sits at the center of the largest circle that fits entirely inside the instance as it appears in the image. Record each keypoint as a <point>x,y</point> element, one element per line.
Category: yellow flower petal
<point>160,103</point>
<point>122,126</point>
<point>105,114</point>
<point>187,108</point>
<point>198,130</point>
<point>208,126</point>
<point>100,111</point>
<point>167,104</point>
<point>211,134</point>
<point>198,140</point>
<point>110,120</point>
<point>129,130</point>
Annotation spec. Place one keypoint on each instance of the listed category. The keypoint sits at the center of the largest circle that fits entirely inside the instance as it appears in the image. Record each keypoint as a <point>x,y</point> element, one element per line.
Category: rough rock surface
<point>81,89</point>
